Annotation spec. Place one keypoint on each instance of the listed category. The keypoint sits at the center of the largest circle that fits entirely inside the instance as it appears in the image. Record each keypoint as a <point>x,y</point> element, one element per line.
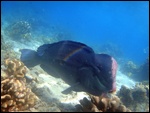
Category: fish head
<point>101,77</point>
<point>107,67</point>
<point>29,57</point>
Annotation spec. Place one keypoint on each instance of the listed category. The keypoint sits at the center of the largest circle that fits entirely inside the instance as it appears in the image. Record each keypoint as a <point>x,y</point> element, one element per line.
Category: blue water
<point>125,24</point>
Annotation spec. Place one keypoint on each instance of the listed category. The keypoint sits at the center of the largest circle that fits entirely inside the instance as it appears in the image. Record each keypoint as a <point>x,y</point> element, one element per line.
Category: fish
<point>75,63</point>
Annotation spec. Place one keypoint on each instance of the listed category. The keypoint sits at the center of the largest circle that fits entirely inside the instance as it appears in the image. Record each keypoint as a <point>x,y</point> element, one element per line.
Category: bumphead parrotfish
<point>77,64</point>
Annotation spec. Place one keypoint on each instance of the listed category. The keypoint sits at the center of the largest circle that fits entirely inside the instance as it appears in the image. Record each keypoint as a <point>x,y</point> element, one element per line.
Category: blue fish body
<point>75,63</point>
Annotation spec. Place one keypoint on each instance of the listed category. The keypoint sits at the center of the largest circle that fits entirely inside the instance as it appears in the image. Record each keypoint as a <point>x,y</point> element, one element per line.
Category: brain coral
<point>15,96</point>
<point>15,67</point>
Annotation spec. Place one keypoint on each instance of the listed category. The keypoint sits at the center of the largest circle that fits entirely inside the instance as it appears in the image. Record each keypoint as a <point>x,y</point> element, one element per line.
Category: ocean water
<point>120,29</point>
<point>122,23</point>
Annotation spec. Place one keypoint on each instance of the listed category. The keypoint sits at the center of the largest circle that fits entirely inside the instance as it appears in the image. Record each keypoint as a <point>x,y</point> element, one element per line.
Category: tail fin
<point>29,57</point>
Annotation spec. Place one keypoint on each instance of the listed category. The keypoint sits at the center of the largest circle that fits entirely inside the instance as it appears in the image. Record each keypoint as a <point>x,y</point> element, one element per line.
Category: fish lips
<point>100,86</point>
<point>96,86</point>
<point>93,83</point>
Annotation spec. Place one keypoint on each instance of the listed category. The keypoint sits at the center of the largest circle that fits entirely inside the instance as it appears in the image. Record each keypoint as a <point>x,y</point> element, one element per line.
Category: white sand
<point>122,79</point>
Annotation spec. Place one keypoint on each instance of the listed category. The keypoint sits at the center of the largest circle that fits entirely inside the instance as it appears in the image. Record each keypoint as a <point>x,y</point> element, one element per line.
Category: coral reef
<point>2,41</point>
<point>15,96</point>
<point>126,95</point>
<point>143,71</point>
<point>7,50</point>
<point>5,54</point>
<point>145,82</point>
<point>42,106</point>
<point>15,67</point>
<point>129,68</point>
<point>138,73</point>
<point>3,74</point>
<point>5,46</point>
<point>102,104</point>
<point>137,99</point>
<point>19,30</point>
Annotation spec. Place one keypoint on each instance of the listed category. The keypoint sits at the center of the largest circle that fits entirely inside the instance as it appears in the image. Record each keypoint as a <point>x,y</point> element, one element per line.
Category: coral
<point>143,71</point>
<point>2,40</point>
<point>5,46</point>
<point>137,98</point>
<point>5,54</point>
<point>144,88</point>
<point>126,95</point>
<point>102,104</point>
<point>130,64</point>
<point>15,96</point>
<point>3,74</point>
<point>145,82</point>
<point>42,106</point>
<point>7,50</point>
<point>129,68</point>
<point>19,30</point>
<point>138,73</point>
<point>15,67</point>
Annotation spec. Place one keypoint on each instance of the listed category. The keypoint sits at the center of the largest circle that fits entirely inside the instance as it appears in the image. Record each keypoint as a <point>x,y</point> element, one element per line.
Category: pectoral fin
<point>71,88</point>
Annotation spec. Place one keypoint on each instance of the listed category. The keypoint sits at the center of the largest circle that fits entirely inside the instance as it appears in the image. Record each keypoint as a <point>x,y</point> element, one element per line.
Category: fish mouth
<point>99,85</point>
<point>94,86</point>
<point>108,82</point>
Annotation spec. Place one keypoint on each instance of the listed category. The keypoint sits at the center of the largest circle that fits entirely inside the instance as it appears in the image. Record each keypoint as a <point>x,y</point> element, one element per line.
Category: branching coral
<point>102,104</point>
<point>19,30</point>
<point>15,96</point>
